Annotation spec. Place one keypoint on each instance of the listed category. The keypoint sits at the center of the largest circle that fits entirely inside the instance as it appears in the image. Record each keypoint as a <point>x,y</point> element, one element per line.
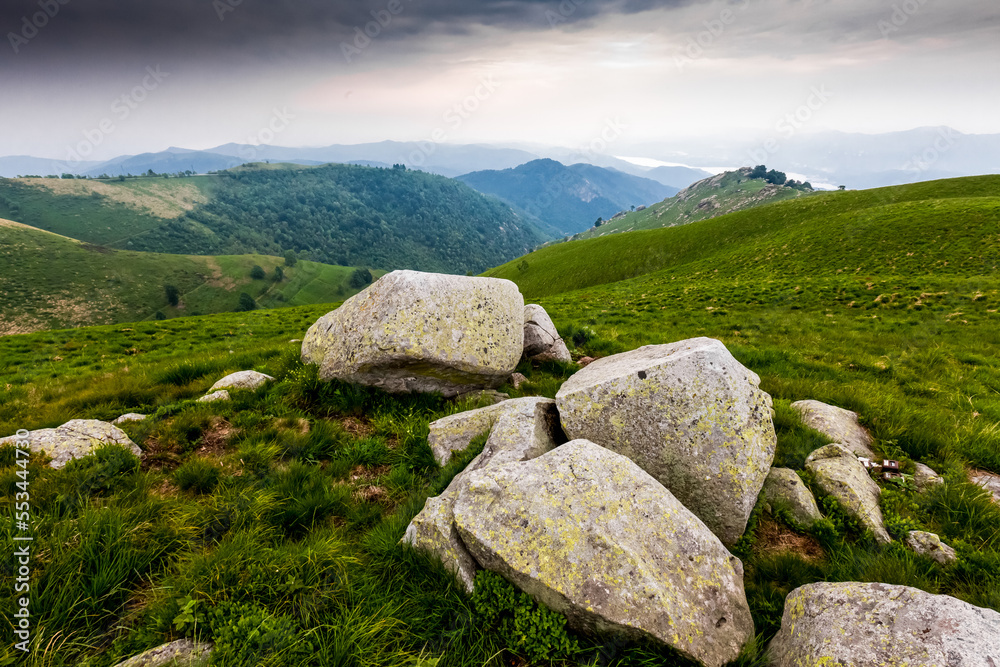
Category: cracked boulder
<point>687,413</point>
<point>422,332</point>
<point>841,475</point>
<point>541,339</point>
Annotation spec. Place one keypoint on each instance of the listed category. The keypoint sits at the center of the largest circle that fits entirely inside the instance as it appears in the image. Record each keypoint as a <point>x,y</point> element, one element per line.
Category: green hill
<point>708,198</point>
<point>51,281</point>
<point>336,214</point>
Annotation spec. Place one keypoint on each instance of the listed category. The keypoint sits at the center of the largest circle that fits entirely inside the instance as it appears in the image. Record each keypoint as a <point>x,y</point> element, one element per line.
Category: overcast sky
<point>129,77</point>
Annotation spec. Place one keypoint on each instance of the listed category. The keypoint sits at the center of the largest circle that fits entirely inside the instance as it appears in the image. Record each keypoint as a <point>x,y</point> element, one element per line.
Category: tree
<point>360,278</point>
<point>246,303</point>
<point>841,187</point>
<point>173,294</point>
<point>760,171</point>
<point>290,258</point>
<point>279,274</point>
<point>159,315</point>
<point>776,177</point>
<point>600,221</point>
<point>257,273</point>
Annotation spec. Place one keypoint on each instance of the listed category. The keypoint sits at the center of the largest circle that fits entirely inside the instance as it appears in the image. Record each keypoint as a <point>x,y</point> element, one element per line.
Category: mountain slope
<point>51,281</point>
<point>708,198</point>
<point>567,198</point>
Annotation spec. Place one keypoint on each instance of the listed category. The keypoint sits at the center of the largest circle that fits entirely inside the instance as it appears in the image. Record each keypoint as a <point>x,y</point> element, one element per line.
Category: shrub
<point>247,634</point>
<point>360,278</point>
<point>246,303</point>
<point>173,294</point>
<point>257,272</point>
<point>197,475</point>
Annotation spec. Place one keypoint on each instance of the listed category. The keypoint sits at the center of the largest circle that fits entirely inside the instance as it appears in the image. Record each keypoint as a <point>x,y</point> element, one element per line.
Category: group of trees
<point>776,177</point>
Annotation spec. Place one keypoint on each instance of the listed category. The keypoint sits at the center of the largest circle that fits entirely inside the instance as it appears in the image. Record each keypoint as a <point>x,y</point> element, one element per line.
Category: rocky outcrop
<point>587,533</point>
<point>242,380</point>
<point>541,339</point>
<point>869,625</point>
<point>838,424</point>
<point>783,489</point>
<point>925,478</point>
<point>73,440</point>
<point>521,429</point>
<point>181,653</point>
<point>839,473</point>
<point>687,413</point>
<point>422,332</point>
<point>930,545</point>
<point>130,417</point>
<point>221,395</point>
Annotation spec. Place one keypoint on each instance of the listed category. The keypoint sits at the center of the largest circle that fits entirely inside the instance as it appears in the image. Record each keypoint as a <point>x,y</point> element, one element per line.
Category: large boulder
<point>783,489</point>
<point>541,339</point>
<point>687,413</point>
<point>587,533</point>
<point>242,380</point>
<point>838,424</point>
<point>871,625</point>
<point>523,429</point>
<point>73,440</point>
<point>181,653</point>
<point>422,332</point>
<point>840,474</point>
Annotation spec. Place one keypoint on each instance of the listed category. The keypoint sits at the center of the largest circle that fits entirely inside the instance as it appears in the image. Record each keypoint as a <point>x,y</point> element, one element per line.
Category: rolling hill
<point>335,214</point>
<point>53,282</point>
<point>567,198</point>
<point>708,198</point>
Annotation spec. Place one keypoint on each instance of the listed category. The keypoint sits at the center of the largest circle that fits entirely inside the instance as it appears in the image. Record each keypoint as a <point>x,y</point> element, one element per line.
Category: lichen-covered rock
<point>687,413</point>
<point>988,481</point>
<point>454,433</point>
<point>784,489</point>
<point>130,417</point>
<point>422,332</point>
<point>74,439</point>
<point>925,478</point>
<point>541,339</point>
<point>522,429</point>
<point>839,473</point>
<point>181,653</point>
<point>587,533</point>
<point>877,625</point>
<point>516,380</point>
<point>242,380</point>
<point>930,545</point>
<point>838,424</point>
<point>221,395</point>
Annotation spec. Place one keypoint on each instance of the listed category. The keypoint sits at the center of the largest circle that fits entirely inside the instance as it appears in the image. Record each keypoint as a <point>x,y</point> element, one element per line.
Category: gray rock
<point>454,432</point>
<point>522,429</point>
<point>422,332</point>
<point>687,413</point>
<point>541,339</point>
<point>839,473</point>
<point>930,545</point>
<point>784,489</point>
<point>181,653</point>
<point>872,625</point>
<point>130,417</point>
<point>517,379</point>
<point>988,481</point>
<point>838,424</point>
<point>74,439</point>
<point>925,478</point>
<point>221,395</point>
<point>242,380</point>
<point>587,533</point>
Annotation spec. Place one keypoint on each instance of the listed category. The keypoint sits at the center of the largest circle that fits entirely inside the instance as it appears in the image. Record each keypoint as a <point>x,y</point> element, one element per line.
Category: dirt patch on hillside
<point>165,198</point>
<point>772,537</point>
<point>217,279</point>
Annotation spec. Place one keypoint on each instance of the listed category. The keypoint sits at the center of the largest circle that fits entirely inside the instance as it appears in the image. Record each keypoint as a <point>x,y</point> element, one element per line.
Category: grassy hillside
<point>50,281</point>
<point>940,227</point>
<point>708,198</point>
<point>335,214</point>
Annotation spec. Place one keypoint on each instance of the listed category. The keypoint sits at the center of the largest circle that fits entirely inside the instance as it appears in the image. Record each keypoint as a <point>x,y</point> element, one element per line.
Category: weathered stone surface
<point>454,432</point>
<point>130,417</point>
<point>585,361</point>
<point>422,332</point>
<point>522,429</point>
<point>925,478</point>
<point>181,653</point>
<point>221,395</point>
<point>839,473</point>
<point>73,440</point>
<point>687,413</point>
<point>517,379</point>
<point>930,545</point>
<point>988,481</point>
<point>784,489</point>
<point>586,532</point>
<point>876,625</point>
<point>541,338</point>
<point>242,380</point>
<point>838,424</point>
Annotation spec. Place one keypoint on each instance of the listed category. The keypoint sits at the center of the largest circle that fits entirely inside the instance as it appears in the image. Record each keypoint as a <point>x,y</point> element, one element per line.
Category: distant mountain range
<point>567,198</point>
